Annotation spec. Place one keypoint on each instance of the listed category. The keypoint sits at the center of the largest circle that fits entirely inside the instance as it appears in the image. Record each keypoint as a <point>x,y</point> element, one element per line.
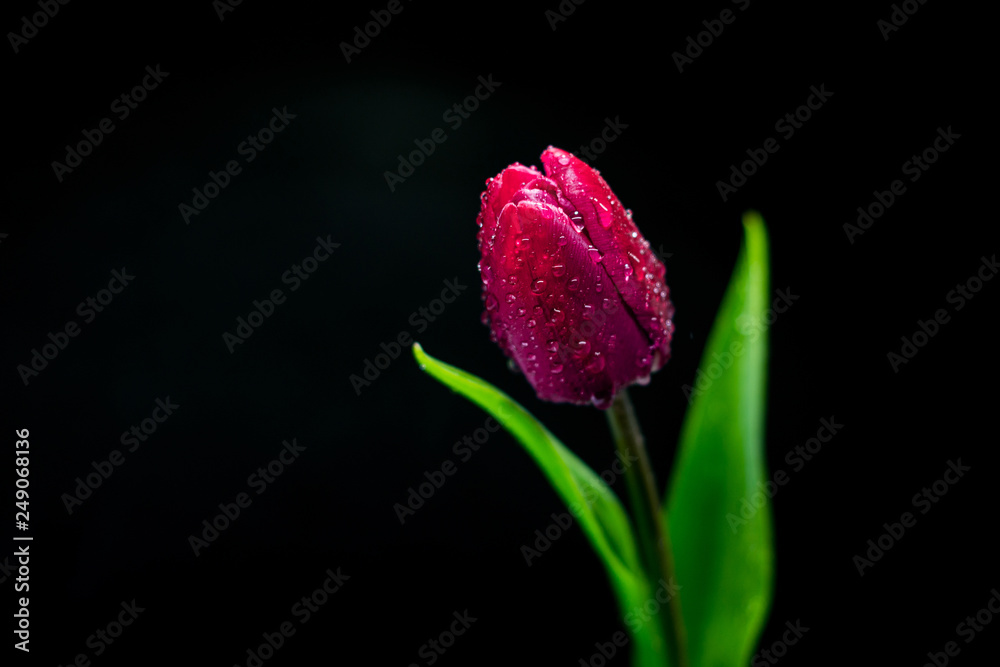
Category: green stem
<point>651,521</point>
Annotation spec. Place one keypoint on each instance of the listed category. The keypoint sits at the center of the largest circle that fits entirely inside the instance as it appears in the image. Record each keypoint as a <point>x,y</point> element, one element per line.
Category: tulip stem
<point>651,521</point>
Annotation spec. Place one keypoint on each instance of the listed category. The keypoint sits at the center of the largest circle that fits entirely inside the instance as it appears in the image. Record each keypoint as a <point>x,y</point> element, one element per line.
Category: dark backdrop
<point>323,176</point>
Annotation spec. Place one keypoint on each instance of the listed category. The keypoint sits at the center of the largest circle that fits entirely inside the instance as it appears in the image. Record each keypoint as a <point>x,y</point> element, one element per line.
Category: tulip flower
<point>573,293</point>
<point>576,299</point>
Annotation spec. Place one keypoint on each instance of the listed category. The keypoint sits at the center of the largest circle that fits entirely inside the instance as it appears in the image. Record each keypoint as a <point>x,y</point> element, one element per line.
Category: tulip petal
<point>636,272</point>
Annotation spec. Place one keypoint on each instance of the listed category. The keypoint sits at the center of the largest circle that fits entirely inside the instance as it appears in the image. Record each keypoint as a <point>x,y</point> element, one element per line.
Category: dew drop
<point>588,311</point>
<point>603,214</point>
<point>521,312</point>
<point>596,364</point>
<point>558,270</point>
<point>491,302</point>
<point>556,369</point>
<point>510,298</point>
<point>594,254</point>
<point>580,347</point>
<point>562,240</point>
<point>574,284</point>
<point>557,316</point>
<point>531,323</point>
<point>642,360</point>
<point>538,286</point>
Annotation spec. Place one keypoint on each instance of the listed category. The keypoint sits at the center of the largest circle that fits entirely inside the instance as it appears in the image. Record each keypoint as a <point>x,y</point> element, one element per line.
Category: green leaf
<point>593,503</point>
<point>724,559</point>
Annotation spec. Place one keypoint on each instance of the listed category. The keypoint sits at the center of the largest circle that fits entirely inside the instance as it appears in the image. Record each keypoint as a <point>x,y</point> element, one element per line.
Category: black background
<point>324,175</point>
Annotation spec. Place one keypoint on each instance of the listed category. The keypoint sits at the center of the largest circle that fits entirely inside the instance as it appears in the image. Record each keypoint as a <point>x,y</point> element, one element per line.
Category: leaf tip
<point>420,356</point>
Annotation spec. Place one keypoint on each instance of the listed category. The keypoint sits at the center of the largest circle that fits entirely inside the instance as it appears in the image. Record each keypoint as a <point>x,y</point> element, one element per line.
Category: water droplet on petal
<point>573,284</point>
<point>558,270</point>
<point>556,369</point>
<point>551,345</point>
<point>603,214</point>
<point>531,323</point>
<point>538,286</point>
<point>562,240</point>
<point>596,364</point>
<point>557,316</point>
<point>491,302</point>
<point>594,254</point>
<point>510,298</point>
<point>521,312</point>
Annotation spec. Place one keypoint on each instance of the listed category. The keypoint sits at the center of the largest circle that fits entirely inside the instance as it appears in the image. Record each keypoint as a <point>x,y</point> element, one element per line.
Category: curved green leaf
<point>589,498</point>
<point>723,554</point>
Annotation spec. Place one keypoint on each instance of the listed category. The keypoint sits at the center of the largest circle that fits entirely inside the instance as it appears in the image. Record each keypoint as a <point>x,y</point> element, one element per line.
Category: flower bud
<point>573,293</point>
